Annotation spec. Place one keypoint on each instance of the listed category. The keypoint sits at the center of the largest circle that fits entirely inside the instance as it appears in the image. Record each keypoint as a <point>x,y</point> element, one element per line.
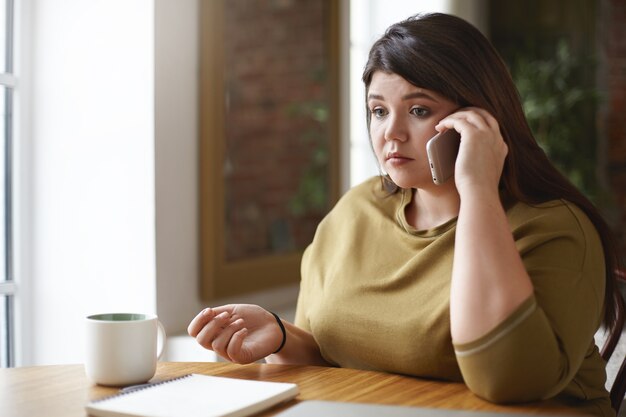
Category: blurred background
<point>162,156</point>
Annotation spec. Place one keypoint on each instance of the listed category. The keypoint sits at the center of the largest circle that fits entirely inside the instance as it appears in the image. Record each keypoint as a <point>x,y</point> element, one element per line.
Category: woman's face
<point>403,119</point>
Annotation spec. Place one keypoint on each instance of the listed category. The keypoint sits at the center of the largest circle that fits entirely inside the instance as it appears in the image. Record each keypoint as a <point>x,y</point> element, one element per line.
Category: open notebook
<point>195,395</point>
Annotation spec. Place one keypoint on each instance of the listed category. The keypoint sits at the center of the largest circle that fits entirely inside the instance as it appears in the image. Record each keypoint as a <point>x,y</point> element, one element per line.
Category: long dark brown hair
<point>446,54</point>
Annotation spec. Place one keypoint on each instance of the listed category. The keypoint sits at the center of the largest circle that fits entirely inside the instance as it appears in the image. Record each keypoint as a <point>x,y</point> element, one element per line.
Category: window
<point>269,138</point>
<point>7,86</point>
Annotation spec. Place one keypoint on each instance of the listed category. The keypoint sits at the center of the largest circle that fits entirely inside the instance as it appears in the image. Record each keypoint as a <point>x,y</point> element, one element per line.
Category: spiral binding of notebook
<point>134,388</point>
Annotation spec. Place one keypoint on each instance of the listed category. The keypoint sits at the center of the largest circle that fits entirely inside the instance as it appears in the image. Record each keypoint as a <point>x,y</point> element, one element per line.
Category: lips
<point>395,156</point>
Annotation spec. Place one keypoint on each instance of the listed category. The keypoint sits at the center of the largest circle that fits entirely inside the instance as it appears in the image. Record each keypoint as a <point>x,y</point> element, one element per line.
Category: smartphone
<point>442,150</point>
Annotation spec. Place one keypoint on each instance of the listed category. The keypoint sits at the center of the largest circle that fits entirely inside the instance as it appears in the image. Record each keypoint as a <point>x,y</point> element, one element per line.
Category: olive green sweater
<point>375,293</point>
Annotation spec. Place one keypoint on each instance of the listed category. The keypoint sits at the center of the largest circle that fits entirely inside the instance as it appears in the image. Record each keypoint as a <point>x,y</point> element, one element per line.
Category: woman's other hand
<point>241,333</point>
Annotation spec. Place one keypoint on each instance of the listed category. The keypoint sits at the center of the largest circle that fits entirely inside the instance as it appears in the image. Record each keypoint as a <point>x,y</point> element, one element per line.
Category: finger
<point>483,119</point>
<point>222,340</point>
<point>200,321</point>
<point>230,308</point>
<point>455,122</point>
<point>461,125</point>
<point>235,344</point>
<point>477,117</point>
<point>212,329</point>
<point>472,117</point>
<point>205,316</point>
<point>488,118</point>
<point>444,124</point>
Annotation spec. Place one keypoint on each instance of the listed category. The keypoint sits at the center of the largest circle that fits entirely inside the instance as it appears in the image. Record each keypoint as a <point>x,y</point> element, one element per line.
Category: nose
<point>396,129</point>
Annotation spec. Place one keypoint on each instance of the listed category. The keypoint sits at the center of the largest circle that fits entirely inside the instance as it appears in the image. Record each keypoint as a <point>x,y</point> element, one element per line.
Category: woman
<point>499,277</point>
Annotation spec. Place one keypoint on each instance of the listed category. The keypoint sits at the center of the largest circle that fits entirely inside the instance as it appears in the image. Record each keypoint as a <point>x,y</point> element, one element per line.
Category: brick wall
<point>275,70</point>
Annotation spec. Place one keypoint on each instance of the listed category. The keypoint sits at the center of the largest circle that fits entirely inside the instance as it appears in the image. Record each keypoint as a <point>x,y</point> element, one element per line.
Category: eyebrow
<point>417,94</point>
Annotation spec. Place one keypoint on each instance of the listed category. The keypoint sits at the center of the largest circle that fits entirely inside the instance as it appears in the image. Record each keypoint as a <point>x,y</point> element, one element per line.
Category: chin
<point>412,182</point>
<point>403,183</point>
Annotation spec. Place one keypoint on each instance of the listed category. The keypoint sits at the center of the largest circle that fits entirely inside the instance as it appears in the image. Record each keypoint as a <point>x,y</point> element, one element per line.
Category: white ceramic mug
<point>121,348</point>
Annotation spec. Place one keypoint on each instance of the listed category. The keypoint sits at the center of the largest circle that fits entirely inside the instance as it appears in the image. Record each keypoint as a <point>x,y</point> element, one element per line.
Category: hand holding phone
<point>442,150</point>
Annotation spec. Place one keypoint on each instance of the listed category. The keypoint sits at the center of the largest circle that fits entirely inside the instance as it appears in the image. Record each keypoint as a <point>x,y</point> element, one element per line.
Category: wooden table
<point>63,390</point>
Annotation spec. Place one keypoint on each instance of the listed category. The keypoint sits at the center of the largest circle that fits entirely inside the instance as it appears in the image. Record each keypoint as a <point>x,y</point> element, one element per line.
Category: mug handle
<point>163,337</point>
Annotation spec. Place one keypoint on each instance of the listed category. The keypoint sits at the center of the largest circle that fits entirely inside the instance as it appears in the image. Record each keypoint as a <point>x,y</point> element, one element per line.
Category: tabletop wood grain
<point>63,390</point>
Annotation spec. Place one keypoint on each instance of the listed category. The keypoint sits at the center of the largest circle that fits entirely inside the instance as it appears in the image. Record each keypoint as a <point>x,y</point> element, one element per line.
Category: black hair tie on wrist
<point>282,329</point>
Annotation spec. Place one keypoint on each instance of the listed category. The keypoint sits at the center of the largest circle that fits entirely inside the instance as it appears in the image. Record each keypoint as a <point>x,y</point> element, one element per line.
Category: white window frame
<point>22,188</point>
<point>8,287</point>
<point>17,287</point>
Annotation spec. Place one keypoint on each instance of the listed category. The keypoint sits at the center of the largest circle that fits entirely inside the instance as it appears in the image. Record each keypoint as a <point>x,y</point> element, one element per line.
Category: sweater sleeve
<point>537,351</point>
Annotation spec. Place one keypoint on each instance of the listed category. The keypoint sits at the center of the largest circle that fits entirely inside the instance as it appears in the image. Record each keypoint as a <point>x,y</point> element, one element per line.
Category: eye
<point>419,111</point>
<point>378,112</point>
